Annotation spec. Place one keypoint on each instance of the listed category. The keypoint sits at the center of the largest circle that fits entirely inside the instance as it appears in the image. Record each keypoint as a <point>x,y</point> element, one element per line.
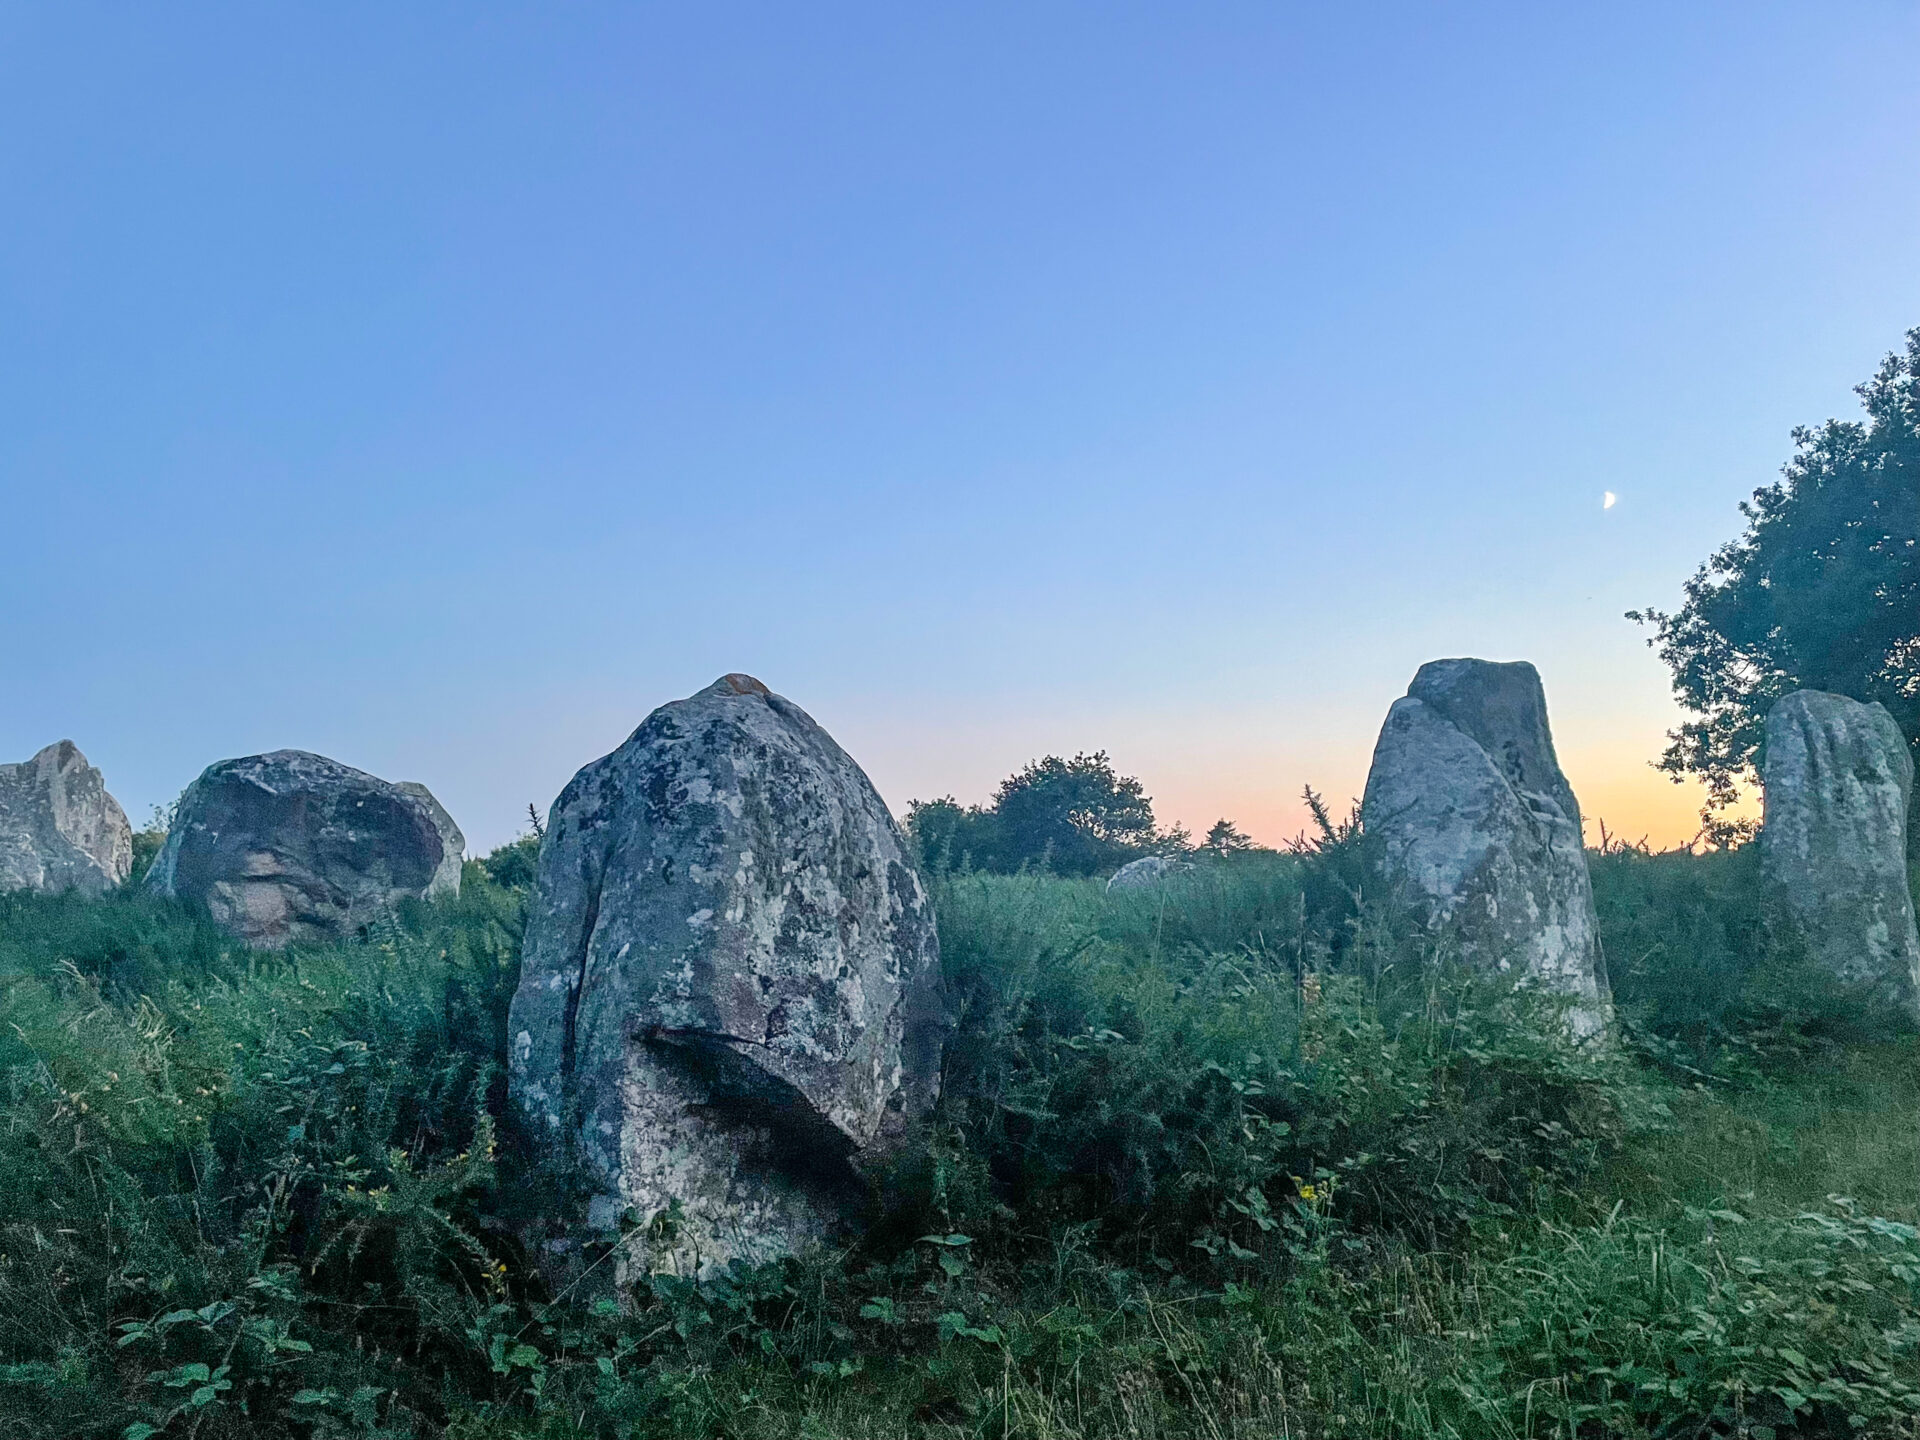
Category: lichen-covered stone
<point>1471,813</point>
<point>730,985</point>
<point>293,847</point>
<point>1839,779</point>
<point>1146,872</point>
<point>59,828</point>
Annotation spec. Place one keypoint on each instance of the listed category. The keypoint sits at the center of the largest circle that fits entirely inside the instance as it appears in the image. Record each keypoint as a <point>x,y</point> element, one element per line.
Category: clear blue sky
<point>441,387</point>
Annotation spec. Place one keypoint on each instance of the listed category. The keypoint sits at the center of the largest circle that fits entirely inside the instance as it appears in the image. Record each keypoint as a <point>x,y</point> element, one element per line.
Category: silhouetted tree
<point>951,835</point>
<point>1224,838</point>
<point>1821,592</point>
<point>1077,815</point>
<point>1074,817</point>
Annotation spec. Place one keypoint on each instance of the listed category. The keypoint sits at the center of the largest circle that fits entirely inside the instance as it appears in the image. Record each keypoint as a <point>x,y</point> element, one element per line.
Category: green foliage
<point>1069,817</point>
<point>1239,1155</point>
<point>129,944</point>
<point>1121,1065</point>
<point>147,843</point>
<point>514,866</point>
<point>233,1182</point>
<point>1793,1130</point>
<point>1700,955</point>
<point>1224,838</point>
<point>1821,592</point>
<point>1714,1324</point>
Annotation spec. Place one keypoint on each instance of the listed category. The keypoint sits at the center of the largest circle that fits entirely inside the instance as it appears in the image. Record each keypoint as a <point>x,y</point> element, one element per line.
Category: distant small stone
<point>59,828</point>
<point>1146,872</point>
<point>1839,781</point>
<point>730,992</point>
<point>1471,812</point>
<point>291,847</point>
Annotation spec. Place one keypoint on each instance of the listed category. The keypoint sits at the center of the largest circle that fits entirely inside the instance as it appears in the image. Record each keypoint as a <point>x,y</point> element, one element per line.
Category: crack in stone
<point>671,1034</point>
<point>570,1021</point>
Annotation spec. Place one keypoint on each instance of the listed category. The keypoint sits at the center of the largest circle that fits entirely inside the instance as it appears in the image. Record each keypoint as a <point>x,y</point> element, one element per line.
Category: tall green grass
<point>1240,1156</point>
<point>263,1168</point>
<point>1701,956</point>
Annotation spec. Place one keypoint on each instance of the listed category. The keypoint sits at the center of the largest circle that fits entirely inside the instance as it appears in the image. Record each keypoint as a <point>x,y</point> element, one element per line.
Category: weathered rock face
<point>1146,872</point>
<point>59,828</point>
<point>1839,777</point>
<point>1470,809</point>
<point>730,985</point>
<point>291,847</point>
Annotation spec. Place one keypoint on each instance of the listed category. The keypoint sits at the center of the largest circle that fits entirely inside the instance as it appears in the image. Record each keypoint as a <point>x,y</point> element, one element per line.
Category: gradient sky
<point>441,387</point>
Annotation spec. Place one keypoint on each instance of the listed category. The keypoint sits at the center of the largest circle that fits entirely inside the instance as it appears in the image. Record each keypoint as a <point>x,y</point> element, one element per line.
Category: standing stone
<point>1146,872</point>
<point>59,828</point>
<point>730,986</point>
<point>292,847</point>
<point>1839,777</point>
<point>1472,813</point>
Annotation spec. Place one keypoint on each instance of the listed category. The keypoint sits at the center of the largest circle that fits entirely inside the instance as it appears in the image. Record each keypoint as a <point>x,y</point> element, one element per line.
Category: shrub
<point>1698,954</point>
<point>130,944</point>
<point>1113,1069</point>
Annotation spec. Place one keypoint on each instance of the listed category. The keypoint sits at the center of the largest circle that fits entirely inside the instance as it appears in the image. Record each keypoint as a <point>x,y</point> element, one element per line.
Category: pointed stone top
<point>62,754</point>
<point>1477,822</point>
<point>740,684</point>
<point>1502,706</point>
<point>59,828</point>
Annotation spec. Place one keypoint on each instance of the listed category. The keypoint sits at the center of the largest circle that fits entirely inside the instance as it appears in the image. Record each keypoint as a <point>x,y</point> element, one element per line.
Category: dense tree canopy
<point>1821,592</point>
<point>1073,817</point>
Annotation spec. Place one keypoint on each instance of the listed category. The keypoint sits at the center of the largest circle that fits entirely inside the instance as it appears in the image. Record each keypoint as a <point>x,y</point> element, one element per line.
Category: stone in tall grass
<point>1839,779</point>
<point>1146,872</point>
<point>59,828</point>
<point>731,986</point>
<point>1471,813</point>
<point>293,847</point>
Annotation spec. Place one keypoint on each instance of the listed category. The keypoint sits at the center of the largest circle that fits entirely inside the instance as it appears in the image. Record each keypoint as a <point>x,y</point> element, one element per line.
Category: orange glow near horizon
<point>1249,760</point>
<point>1617,790</point>
<point>1629,797</point>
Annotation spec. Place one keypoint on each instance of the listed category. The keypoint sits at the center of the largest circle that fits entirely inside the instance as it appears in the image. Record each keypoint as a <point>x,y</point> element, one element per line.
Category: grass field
<point>1246,1158</point>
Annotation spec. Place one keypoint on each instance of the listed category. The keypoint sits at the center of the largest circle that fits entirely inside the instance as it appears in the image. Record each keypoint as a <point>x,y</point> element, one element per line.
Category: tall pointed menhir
<point>1472,813</point>
<point>730,988</point>
<point>59,828</point>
